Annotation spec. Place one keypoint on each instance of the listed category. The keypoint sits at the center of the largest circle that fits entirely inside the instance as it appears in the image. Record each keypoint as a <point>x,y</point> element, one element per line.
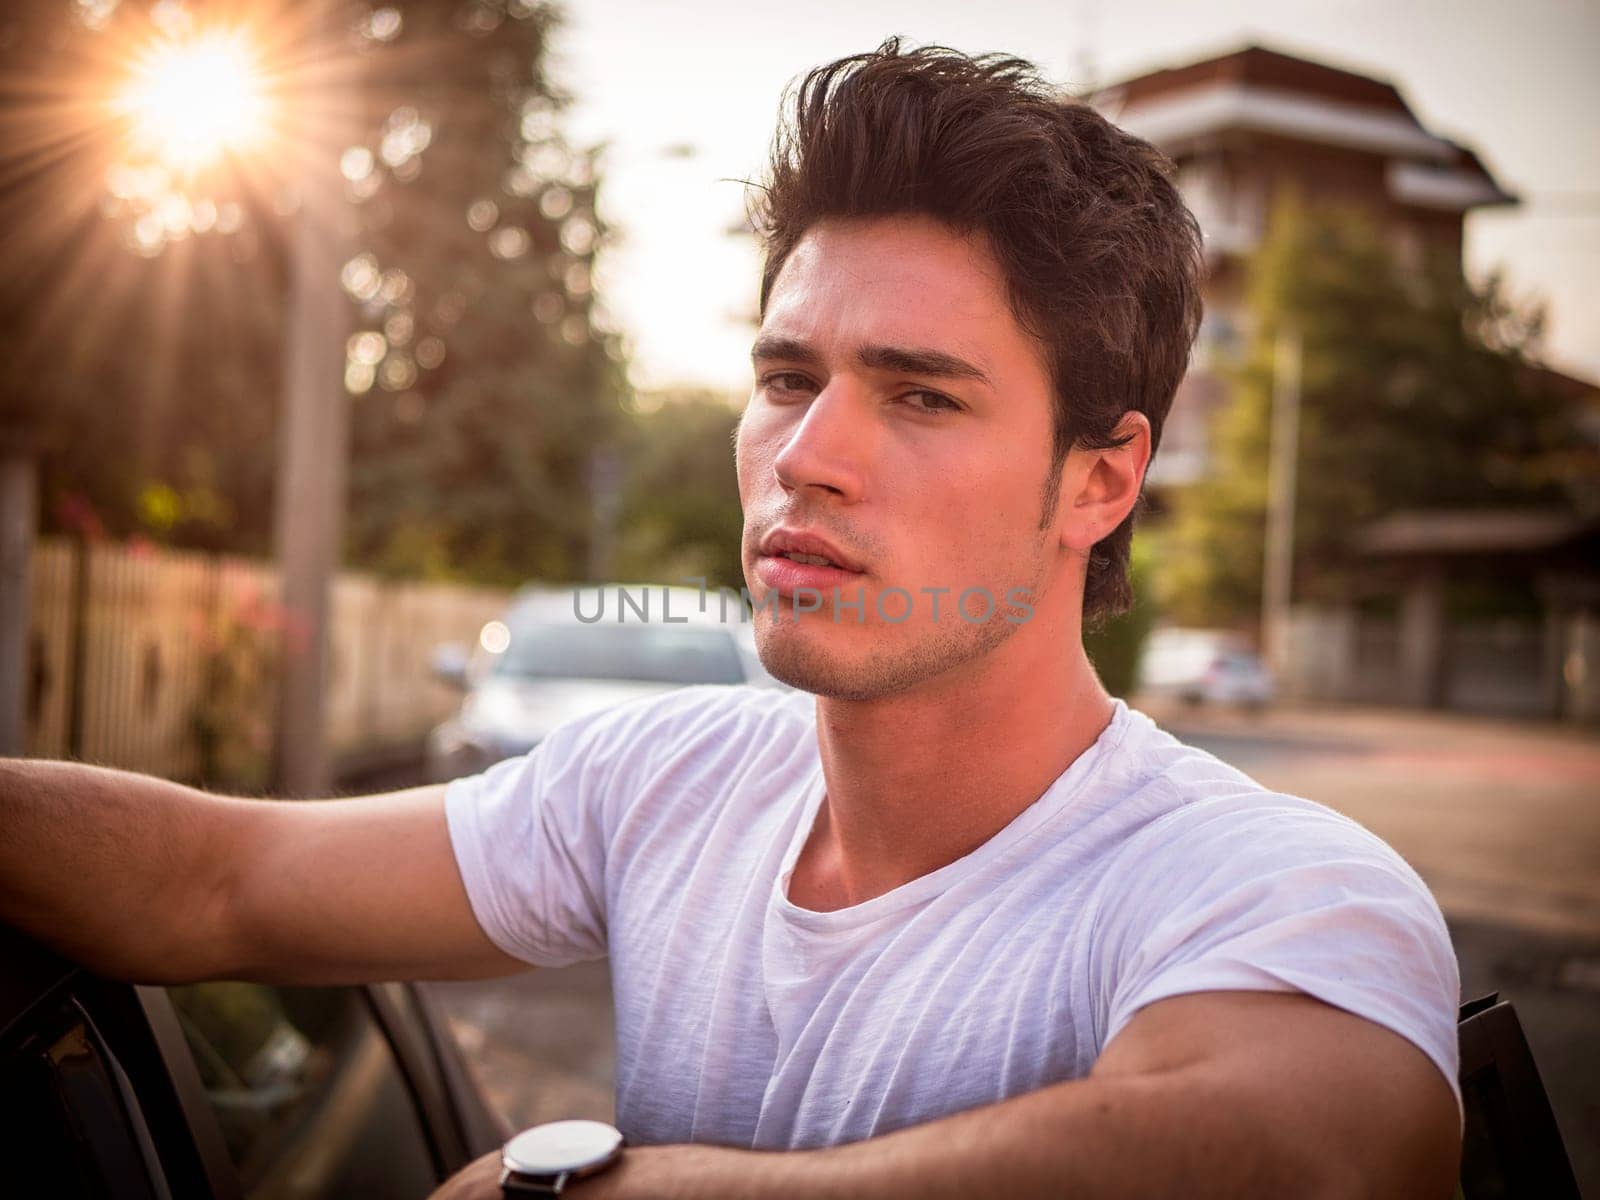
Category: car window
<point>648,653</point>
<point>306,1089</point>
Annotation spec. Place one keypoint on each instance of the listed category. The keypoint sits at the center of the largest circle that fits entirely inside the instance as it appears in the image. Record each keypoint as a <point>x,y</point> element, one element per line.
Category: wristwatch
<point>541,1161</point>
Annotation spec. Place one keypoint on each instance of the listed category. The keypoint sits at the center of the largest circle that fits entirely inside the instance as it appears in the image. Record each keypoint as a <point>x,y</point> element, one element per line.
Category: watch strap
<point>514,1184</point>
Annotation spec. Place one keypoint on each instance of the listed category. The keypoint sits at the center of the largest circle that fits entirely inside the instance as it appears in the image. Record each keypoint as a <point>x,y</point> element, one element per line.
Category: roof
<point>1472,531</point>
<point>1258,66</point>
<point>1265,91</point>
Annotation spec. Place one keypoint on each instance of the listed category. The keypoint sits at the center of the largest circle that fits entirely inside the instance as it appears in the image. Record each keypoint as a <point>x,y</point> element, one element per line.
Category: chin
<point>880,664</point>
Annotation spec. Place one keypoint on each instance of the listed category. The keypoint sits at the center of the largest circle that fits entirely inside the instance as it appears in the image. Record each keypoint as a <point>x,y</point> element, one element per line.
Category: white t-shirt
<point>663,833</point>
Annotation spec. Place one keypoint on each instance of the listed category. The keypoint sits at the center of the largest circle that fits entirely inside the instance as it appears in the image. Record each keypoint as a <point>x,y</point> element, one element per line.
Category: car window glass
<point>650,653</point>
<point>306,1090</point>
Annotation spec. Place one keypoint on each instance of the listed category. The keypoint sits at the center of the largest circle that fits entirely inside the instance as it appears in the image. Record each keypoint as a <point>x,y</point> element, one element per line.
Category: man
<point>951,920</point>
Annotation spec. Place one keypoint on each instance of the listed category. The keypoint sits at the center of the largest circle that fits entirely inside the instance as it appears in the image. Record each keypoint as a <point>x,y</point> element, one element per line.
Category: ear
<point>1100,487</point>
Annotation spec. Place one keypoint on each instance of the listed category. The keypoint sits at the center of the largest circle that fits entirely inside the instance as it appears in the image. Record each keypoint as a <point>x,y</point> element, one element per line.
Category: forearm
<point>119,871</point>
<point>1087,1139</point>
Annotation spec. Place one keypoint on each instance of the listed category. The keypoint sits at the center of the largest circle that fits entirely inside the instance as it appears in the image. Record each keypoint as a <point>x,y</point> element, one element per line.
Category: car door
<point>88,1110</point>
<point>226,1089</point>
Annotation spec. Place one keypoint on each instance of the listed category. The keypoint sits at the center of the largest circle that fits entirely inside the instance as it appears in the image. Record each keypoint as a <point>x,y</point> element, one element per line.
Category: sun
<point>189,102</point>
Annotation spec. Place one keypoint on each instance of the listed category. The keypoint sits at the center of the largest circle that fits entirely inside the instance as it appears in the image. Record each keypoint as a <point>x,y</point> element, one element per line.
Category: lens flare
<point>189,102</point>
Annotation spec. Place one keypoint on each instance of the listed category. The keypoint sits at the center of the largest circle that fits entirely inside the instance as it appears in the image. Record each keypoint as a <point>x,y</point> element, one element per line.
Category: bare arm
<point>148,880</point>
<point>1219,1094</point>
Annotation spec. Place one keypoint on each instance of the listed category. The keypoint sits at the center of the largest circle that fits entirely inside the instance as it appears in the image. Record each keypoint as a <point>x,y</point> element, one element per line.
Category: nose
<point>825,450</point>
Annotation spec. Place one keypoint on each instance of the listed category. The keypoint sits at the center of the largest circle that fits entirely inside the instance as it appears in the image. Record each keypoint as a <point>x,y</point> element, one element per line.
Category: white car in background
<point>540,664</point>
<point>1204,666</point>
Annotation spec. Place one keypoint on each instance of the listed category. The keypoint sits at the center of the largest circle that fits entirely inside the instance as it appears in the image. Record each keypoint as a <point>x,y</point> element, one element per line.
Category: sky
<point>685,94</point>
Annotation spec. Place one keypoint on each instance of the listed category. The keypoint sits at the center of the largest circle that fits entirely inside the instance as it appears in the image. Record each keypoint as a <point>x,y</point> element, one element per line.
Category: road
<point>1502,819</point>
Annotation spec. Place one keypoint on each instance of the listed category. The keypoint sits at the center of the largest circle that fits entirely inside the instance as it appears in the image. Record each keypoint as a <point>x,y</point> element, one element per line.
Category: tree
<point>1116,645</point>
<point>486,379</point>
<point>144,321</point>
<point>1417,391</point>
<point>680,515</point>
<point>139,333</point>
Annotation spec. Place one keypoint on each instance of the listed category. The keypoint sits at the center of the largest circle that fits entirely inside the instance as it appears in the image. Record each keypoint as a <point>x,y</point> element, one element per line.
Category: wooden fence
<point>1512,667</point>
<point>166,661</point>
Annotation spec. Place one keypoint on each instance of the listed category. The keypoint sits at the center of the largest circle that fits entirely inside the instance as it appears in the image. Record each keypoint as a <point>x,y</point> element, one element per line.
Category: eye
<point>931,402</point>
<point>786,382</point>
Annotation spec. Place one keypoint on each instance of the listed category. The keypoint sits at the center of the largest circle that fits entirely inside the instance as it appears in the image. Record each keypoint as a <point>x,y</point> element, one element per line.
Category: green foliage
<point>231,723</point>
<point>152,369</point>
<point>145,377</point>
<point>232,1022</point>
<point>481,466</point>
<point>1115,646</point>
<point>1416,392</point>
<point>680,515</point>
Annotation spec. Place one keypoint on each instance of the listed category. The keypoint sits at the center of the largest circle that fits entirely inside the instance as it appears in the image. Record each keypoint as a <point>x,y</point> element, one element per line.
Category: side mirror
<point>450,664</point>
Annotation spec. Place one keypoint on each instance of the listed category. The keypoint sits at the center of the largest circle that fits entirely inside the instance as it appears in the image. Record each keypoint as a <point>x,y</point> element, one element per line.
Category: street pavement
<point>1500,818</point>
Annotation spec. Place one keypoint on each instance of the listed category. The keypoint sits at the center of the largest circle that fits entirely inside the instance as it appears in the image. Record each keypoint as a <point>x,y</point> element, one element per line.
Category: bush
<point>1114,647</point>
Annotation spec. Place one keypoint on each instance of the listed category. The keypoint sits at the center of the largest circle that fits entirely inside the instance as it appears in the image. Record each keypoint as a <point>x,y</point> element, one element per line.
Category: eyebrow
<point>911,360</point>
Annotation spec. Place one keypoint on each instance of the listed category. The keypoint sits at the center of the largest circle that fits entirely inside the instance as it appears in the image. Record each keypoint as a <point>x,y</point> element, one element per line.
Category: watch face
<point>561,1146</point>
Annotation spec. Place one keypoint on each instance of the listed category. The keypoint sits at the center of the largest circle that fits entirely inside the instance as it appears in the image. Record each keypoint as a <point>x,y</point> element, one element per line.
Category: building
<point>1247,126</point>
<point>1396,641</point>
<point>1244,129</point>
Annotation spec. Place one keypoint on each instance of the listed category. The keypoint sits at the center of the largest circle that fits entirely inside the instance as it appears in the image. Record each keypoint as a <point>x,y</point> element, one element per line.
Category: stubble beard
<point>803,659</point>
<point>810,654</point>
<point>797,652</point>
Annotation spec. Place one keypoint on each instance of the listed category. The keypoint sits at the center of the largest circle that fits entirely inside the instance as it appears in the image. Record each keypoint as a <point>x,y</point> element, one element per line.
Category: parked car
<point>558,653</point>
<point>1204,666</point>
<point>227,1090</point>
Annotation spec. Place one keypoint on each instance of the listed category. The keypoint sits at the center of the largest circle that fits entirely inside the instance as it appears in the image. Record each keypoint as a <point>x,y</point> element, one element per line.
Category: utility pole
<point>18,518</point>
<point>605,490</point>
<point>313,443</point>
<point>1283,455</point>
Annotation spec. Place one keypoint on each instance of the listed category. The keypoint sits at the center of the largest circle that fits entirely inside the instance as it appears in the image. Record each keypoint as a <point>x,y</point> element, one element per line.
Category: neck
<point>918,780</point>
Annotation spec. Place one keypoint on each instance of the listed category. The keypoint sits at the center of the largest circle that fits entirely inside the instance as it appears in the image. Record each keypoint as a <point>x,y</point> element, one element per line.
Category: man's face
<point>902,415</point>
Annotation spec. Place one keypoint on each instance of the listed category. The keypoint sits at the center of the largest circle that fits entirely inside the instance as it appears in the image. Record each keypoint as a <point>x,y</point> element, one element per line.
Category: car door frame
<point>456,1121</point>
<point>137,1031</point>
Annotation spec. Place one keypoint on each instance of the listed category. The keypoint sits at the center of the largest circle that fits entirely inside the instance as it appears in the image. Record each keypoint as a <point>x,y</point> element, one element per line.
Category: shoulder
<point>1194,813</point>
<point>703,724</point>
<point>1207,851</point>
<point>1255,855</point>
<point>1224,884</point>
<point>599,766</point>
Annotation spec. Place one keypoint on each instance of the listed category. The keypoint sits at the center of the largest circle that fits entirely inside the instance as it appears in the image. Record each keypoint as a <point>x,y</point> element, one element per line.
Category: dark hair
<point>1101,257</point>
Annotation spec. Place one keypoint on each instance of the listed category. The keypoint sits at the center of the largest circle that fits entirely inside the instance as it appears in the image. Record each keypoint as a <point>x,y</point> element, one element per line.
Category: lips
<point>783,542</point>
<point>788,576</point>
